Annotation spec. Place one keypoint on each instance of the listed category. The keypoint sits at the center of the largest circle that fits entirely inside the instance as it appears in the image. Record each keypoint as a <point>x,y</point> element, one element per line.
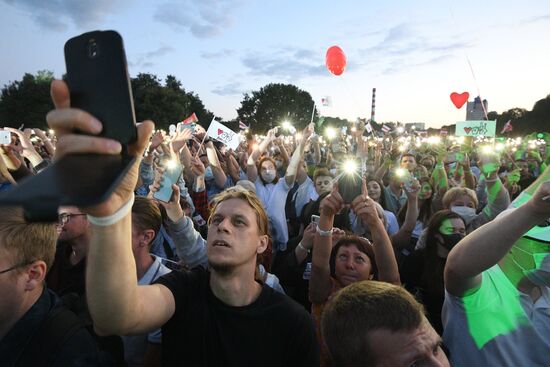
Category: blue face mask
<point>208,175</point>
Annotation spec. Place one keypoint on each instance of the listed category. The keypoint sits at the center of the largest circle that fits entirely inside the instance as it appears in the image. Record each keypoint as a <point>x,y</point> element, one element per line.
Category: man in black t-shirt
<point>220,317</point>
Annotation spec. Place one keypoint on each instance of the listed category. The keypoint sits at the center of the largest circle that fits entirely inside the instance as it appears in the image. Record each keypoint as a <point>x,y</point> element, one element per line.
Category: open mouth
<point>220,243</point>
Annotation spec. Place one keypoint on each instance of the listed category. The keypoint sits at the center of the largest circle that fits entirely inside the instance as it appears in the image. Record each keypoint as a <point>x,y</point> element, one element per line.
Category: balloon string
<point>477,88</point>
<point>453,19</point>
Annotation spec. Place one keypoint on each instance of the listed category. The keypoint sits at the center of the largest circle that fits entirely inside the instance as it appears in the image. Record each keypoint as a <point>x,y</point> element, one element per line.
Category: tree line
<point>27,101</point>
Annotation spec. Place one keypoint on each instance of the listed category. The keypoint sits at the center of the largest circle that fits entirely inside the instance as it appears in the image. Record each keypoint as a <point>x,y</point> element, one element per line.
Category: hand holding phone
<point>170,177</point>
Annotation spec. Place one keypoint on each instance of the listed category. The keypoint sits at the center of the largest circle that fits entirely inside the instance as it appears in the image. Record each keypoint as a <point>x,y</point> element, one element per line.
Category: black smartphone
<point>349,186</point>
<point>99,83</point>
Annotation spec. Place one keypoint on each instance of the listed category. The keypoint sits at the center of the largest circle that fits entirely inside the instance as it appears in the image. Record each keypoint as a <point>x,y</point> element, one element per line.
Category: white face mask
<point>540,275</point>
<point>269,175</point>
<point>467,213</point>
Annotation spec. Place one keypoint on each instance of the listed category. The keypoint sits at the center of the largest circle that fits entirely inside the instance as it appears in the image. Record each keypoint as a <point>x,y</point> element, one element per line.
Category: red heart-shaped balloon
<point>459,99</point>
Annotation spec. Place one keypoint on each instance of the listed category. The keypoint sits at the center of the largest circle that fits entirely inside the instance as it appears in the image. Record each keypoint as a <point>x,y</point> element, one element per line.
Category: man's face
<point>420,347</point>
<point>523,168</point>
<point>76,224</point>
<point>12,287</point>
<point>351,265</point>
<point>233,236</point>
<point>323,184</point>
<point>428,163</point>
<point>408,162</point>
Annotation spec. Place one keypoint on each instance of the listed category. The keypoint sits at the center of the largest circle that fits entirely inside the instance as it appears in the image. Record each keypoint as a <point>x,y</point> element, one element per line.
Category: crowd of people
<point>353,249</point>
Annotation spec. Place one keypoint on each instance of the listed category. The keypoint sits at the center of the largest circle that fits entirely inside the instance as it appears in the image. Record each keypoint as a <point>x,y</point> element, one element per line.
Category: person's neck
<point>143,263</point>
<point>10,318</point>
<point>396,190</point>
<point>237,288</point>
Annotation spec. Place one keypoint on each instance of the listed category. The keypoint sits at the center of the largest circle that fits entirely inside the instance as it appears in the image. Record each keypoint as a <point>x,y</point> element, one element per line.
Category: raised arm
<point>116,303</point>
<point>365,208</point>
<point>290,175</point>
<point>320,283</point>
<point>403,237</point>
<point>487,245</point>
<point>251,169</point>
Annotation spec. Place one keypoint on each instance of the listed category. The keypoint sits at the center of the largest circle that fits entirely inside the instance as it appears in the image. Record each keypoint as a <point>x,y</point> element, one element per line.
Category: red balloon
<point>336,60</point>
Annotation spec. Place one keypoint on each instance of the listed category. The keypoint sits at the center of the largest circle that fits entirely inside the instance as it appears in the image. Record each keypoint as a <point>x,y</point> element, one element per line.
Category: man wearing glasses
<point>31,316</point>
<point>69,268</point>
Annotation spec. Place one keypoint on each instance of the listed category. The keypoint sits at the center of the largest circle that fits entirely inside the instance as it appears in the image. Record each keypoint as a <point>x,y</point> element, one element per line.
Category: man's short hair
<point>250,198</point>
<point>455,192</point>
<point>360,308</point>
<point>26,242</point>
<point>407,155</point>
<point>146,214</point>
<point>322,171</point>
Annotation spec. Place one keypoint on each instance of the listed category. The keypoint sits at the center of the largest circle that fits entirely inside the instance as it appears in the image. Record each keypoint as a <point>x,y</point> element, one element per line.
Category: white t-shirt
<point>136,345</point>
<point>273,197</point>
<point>497,325</point>
<point>306,192</point>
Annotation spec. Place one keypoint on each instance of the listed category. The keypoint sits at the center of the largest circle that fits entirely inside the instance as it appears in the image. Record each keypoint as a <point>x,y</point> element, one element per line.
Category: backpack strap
<point>60,325</point>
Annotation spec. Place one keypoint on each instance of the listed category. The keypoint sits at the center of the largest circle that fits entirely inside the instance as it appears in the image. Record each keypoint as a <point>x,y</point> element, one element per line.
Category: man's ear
<point>149,235</point>
<point>35,273</point>
<point>264,242</point>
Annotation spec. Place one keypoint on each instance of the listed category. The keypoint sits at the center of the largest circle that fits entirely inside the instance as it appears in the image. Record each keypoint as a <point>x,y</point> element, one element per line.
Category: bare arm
<point>403,237</point>
<point>320,283</point>
<point>292,169</point>
<point>365,208</point>
<point>487,245</point>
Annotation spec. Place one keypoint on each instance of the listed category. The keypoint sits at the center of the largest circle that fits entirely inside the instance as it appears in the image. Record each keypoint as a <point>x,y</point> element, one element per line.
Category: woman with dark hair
<point>352,259</point>
<point>425,211</point>
<point>422,272</point>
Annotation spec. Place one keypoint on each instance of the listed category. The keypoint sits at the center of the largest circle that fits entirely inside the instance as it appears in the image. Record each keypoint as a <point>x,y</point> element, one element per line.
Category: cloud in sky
<point>202,18</point>
<point>229,89</point>
<point>540,18</point>
<point>287,63</point>
<point>145,60</point>
<point>56,14</point>
<point>404,47</point>
<point>217,54</point>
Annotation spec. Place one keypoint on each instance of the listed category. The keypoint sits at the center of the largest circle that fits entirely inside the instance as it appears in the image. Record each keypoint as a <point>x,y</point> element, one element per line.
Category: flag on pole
<point>224,134</point>
<point>443,132</point>
<point>507,127</point>
<point>326,101</point>
<point>190,119</point>
<point>368,127</point>
<point>243,126</point>
<point>386,129</point>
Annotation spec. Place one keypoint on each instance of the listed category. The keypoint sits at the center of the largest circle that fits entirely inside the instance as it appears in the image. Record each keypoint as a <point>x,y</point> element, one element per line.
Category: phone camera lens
<point>93,49</point>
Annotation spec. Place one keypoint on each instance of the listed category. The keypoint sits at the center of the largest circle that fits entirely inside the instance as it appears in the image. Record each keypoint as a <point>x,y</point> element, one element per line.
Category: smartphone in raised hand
<point>5,137</point>
<point>98,81</point>
<point>170,177</point>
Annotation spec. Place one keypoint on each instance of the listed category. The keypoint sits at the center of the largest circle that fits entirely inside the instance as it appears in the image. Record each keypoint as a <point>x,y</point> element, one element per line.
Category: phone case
<point>169,177</point>
<point>349,187</point>
<point>98,80</point>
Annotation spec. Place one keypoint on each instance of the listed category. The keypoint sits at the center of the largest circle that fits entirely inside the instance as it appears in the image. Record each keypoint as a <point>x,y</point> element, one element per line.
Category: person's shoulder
<point>281,306</point>
<point>184,280</point>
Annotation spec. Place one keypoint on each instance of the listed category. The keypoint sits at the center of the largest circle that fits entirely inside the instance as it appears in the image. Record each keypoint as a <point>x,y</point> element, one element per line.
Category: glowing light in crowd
<point>287,125</point>
<point>171,164</point>
<point>400,130</point>
<point>330,133</point>
<point>353,129</point>
<point>298,136</point>
<point>434,140</point>
<point>51,131</point>
<point>402,148</point>
<point>460,140</point>
<point>350,166</point>
<point>487,149</point>
<point>499,147</point>
<point>400,172</point>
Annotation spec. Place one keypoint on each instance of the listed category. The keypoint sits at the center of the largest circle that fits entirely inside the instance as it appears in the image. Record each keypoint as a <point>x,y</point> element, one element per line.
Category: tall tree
<point>275,103</point>
<point>27,101</point>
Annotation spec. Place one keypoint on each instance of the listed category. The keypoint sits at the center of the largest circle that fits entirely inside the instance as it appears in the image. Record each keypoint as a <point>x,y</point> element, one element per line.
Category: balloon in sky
<point>459,99</point>
<point>336,60</point>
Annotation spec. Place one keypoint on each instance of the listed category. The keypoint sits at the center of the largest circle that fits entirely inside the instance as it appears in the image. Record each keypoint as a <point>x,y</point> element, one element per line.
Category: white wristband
<point>113,218</point>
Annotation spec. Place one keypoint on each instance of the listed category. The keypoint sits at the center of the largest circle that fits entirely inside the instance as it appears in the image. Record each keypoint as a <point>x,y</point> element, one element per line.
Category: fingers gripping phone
<point>170,177</point>
<point>98,81</point>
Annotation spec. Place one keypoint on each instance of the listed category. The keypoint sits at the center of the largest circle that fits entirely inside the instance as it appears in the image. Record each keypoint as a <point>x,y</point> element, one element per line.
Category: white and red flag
<point>190,119</point>
<point>507,127</point>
